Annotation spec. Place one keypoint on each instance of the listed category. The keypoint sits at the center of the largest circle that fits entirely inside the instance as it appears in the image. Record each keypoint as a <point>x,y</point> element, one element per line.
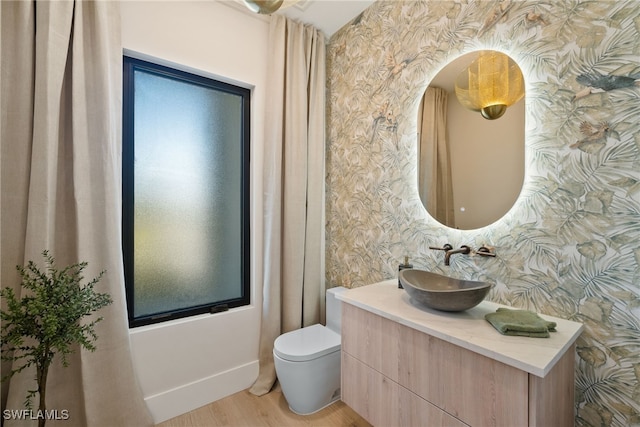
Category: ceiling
<point>326,15</point>
<point>331,15</point>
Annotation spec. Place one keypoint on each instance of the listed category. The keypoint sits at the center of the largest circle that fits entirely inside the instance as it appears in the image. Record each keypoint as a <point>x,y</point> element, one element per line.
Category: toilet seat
<point>306,344</point>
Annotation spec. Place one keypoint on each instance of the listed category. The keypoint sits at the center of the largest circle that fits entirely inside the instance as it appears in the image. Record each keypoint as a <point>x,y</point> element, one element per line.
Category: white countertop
<point>467,329</point>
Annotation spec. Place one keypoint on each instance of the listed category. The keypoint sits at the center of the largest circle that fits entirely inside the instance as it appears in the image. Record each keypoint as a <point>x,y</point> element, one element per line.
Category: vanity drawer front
<point>383,402</point>
<point>477,390</point>
<point>371,339</point>
<point>471,387</point>
<point>369,393</point>
<point>417,412</point>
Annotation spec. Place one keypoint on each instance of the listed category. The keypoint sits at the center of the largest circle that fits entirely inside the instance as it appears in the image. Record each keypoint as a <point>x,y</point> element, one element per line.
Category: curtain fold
<point>294,288</point>
<point>61,188</point>
<point>434,178</point>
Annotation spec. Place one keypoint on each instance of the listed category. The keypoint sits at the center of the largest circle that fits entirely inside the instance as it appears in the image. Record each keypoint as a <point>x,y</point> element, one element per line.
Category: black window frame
<point>130,65</point>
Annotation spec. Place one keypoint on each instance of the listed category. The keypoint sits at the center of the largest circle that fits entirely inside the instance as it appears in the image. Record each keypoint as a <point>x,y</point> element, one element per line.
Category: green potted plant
<point>45,321</point>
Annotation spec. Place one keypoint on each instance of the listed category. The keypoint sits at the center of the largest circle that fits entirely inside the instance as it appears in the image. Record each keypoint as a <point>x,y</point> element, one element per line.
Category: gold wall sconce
<point>490,84</point>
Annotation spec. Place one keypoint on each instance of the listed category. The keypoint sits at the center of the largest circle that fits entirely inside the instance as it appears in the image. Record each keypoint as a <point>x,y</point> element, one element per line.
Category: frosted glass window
<point>185,182</point>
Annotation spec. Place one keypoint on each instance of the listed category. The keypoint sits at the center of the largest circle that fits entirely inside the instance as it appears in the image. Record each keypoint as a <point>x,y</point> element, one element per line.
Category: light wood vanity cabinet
<point>395,375</point>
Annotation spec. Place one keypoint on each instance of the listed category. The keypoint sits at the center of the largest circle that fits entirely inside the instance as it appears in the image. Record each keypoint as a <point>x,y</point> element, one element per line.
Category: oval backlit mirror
<point>471,169</point>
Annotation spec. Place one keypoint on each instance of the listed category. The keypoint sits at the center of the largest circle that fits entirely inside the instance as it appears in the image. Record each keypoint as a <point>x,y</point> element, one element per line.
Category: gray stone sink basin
<point>441,292</point>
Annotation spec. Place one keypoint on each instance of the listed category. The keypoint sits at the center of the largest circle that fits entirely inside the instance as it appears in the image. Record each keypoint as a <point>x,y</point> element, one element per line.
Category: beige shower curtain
<point>293,187</point>
<point>61,189</point>
<point>434,177</point>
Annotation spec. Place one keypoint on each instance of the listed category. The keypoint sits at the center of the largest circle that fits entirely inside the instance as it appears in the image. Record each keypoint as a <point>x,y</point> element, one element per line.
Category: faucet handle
<point>485,251</point>
<point>446,247</point>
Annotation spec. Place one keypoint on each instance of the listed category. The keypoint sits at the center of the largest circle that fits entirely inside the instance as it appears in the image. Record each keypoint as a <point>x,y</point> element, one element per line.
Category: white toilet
<point>307,361</point>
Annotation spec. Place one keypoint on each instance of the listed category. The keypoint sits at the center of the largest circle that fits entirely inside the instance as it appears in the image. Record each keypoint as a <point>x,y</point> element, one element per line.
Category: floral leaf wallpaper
<point>570,246</point>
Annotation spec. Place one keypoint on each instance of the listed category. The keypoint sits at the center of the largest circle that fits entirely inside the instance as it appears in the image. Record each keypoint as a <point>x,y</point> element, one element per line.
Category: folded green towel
<point>520,322</point>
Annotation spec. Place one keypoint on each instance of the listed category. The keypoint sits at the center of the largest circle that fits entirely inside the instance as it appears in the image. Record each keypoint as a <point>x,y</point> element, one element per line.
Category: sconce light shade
<point>266,7</point>
<point>490,84</point>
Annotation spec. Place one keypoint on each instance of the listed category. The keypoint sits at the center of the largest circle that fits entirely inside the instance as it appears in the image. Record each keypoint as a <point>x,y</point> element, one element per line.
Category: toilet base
<point>309,386</point>
<point>317,410</point>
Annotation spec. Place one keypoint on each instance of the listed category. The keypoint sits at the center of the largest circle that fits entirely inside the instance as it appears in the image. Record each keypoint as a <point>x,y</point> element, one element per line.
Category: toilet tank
<point>334,308</point>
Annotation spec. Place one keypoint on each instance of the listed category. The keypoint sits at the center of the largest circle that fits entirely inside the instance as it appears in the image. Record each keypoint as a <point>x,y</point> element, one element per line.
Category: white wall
<point>185,364</point>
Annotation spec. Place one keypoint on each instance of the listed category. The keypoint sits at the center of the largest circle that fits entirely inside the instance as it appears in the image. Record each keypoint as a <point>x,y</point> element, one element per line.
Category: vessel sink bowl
<point>441,292</point>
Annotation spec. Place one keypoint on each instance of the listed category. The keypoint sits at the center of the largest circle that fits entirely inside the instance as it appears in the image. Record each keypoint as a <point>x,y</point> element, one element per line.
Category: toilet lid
<point>307,343</point>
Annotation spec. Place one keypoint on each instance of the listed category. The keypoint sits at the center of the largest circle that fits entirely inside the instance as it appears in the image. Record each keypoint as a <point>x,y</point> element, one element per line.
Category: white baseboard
<point>188,397</point>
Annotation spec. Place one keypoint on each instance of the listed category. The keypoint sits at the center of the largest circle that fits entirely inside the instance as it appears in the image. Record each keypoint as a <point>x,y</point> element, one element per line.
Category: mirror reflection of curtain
<point>434,179</point>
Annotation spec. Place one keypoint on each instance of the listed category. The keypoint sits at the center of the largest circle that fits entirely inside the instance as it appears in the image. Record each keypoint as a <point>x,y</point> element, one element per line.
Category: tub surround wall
<point>187,363</point>
<point>568,247</point>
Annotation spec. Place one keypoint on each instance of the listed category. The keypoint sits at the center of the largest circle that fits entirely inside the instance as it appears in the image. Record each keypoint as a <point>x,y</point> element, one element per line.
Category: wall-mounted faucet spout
<point>464,249</point>
<point>446,247</point>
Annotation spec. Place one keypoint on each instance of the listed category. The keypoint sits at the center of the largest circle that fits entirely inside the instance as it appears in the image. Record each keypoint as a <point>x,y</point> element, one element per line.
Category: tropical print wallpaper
<point>570,247</point>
